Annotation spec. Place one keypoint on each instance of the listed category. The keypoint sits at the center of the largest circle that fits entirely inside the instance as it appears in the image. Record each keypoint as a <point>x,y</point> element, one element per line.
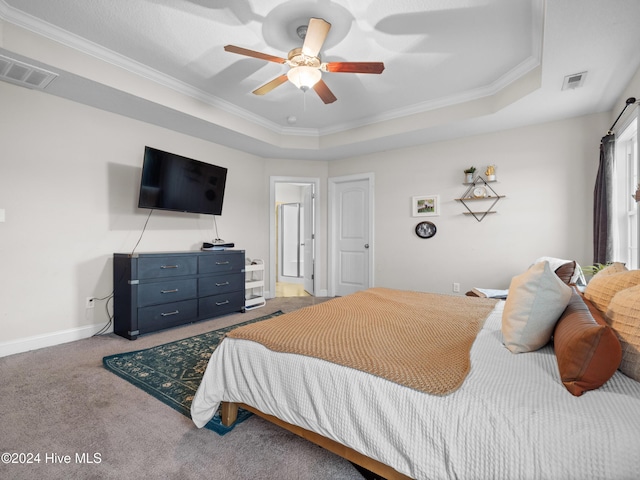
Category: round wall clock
<point>479,192</point>
<point>425,229</point>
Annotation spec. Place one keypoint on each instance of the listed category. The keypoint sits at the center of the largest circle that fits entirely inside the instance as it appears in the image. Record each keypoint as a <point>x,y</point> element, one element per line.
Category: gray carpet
<point>60,401</point>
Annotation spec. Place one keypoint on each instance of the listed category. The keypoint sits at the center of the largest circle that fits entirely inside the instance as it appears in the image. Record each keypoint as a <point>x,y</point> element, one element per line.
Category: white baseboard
<point>64,336</point>
<point>48,340</point>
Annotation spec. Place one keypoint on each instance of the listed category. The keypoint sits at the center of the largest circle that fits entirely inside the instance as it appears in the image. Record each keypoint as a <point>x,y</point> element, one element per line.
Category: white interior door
<point>308,236</point>
<point>351,234</point>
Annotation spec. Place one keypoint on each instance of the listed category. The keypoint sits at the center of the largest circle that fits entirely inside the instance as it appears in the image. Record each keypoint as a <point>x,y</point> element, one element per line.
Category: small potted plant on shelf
<point>491,173</point>
<point>468,174</point>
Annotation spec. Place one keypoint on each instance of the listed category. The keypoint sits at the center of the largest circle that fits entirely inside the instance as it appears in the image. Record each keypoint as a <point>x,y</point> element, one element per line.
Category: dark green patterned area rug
<point>172,372</point>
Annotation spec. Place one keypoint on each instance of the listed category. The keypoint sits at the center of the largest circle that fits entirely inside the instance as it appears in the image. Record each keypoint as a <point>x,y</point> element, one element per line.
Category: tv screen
<point>174,182</point>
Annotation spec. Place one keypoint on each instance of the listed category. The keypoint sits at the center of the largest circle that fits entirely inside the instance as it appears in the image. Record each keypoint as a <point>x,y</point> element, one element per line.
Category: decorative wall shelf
<point>481,196</point>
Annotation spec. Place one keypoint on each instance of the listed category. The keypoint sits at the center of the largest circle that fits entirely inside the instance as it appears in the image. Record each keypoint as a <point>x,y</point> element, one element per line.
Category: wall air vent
<point>23,74</point>
<point>574,81</point>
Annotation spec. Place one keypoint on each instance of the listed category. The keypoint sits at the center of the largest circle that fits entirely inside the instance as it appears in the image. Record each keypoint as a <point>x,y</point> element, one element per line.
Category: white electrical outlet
<point>90,303</point>
<point>456,287</point>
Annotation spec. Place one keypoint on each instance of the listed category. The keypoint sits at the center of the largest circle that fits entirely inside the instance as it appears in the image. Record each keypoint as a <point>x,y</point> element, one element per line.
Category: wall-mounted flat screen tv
<point>174,182</point>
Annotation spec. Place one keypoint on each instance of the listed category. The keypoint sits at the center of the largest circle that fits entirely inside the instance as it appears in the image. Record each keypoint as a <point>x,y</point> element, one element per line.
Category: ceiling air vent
<point>23,74</point>
<point>574,81</point>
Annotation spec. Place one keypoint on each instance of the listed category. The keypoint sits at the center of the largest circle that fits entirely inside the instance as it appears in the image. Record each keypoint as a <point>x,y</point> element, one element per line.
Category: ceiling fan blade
<point>267,87</point>
<point>323,92</point>
<point>316,34</point>
<point>254,54</point>
<point>355,67</point>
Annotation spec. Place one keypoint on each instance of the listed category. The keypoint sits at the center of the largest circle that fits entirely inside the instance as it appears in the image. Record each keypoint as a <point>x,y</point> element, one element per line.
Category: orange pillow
<point>624,317</point>
<point>615,267</point>
<point>587,349</point>
<point>603,286</point>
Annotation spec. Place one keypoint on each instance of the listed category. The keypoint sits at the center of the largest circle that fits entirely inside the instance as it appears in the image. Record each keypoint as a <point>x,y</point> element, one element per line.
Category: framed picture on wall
<point>425,206</point>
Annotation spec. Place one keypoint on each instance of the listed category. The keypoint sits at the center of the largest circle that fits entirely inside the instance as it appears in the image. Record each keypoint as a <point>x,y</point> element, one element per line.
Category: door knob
<point>366,245</point>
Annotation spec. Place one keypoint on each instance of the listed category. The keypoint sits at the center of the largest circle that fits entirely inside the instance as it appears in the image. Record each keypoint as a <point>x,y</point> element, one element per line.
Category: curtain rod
<point>630,101</point>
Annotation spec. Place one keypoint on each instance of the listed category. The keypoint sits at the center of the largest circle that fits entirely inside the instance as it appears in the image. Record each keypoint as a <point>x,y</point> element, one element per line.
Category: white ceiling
<point>453,67</point>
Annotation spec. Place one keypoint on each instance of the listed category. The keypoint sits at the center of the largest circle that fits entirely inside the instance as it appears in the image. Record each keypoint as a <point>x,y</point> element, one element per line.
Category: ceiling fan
<point>305,66</point>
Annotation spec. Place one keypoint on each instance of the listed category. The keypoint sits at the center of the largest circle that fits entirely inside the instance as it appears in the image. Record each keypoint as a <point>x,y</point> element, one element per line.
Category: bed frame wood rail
<point>229,414</point>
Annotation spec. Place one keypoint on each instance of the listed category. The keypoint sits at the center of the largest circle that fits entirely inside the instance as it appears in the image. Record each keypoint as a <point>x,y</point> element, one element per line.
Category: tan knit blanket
<point>420,340</point>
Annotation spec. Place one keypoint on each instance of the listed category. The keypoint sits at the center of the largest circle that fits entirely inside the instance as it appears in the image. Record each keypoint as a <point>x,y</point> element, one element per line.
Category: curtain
<point>602,203</point>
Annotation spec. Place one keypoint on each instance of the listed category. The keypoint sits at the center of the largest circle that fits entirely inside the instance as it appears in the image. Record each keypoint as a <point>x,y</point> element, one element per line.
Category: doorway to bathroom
<point>293,236</point>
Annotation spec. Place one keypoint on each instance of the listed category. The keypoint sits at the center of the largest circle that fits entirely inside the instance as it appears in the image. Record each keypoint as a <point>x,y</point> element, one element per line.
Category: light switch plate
<point>1,215</point>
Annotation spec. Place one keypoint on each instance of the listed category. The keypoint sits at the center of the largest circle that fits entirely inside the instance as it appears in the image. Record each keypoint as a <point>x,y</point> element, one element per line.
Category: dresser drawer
<point>218,284</point>
<point>170,290</point>
<point>169,266</point>
<point>220,304</point>
<point>221,263</point>
<point>167,315</point>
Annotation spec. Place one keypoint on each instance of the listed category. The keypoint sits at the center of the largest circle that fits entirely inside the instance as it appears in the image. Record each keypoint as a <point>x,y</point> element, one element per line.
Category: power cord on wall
<point>215,226</point>
<point>106,328</point>
<point>144,228</point>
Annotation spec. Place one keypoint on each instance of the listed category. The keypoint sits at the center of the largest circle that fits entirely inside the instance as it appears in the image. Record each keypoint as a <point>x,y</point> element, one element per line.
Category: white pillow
<point>535,302</point>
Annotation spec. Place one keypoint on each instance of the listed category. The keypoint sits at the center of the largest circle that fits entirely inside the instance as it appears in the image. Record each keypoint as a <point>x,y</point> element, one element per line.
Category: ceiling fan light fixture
<point>304,77</point>
<point>305,66</point>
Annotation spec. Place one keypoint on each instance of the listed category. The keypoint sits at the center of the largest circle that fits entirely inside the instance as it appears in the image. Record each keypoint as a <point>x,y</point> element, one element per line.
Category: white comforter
<point>511,419</point>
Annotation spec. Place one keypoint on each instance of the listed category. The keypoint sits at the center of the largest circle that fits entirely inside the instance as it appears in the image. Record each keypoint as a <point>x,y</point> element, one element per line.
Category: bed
<point>510,418</point>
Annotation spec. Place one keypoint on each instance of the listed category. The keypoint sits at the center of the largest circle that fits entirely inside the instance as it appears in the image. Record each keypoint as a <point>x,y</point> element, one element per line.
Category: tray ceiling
<point>452,68</point>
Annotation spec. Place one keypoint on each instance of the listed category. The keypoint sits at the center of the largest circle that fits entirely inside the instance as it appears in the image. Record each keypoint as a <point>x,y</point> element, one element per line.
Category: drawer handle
<point>168,266</point>
<point>222,284</point>
<point>169,291</point>
<point>170,313</point>
<point>222,303</point>
<point>222,263</point>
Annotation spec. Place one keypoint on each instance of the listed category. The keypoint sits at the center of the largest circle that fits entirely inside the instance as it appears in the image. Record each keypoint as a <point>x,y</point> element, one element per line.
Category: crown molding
<point>85,46</point>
